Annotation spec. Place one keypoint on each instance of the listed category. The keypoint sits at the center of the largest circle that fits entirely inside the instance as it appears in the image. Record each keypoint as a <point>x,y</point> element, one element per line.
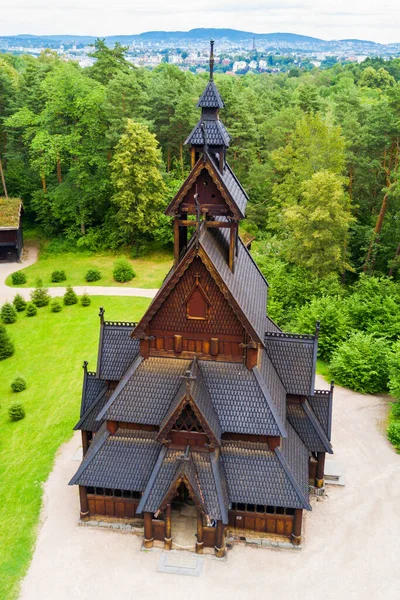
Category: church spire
<point>211,60</point>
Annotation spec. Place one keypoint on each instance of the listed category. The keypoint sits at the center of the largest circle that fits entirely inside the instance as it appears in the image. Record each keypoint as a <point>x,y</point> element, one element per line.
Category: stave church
<point>201,423</point>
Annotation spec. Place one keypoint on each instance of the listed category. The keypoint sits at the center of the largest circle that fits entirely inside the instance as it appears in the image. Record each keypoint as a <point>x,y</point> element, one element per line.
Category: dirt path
<point>351,548</point>
<point>30,257</point>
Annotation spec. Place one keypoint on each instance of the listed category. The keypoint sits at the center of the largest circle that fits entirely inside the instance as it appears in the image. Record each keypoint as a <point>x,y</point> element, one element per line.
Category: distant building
<point>239,65</point>
<point>11,240</point>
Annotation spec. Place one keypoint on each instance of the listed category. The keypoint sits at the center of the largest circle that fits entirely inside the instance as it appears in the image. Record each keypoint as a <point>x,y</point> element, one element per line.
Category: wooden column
<point>167,537</point>
<point>193,157</point>
<point>297,525</point>
<point>312,470</point>
<point>319,480</point>
<point>148,529</point>
<point>199,543</point>
<point>176,240</point>
<point>85,442</point>
<point>232,244</point>
<point>252,357</point>
<point>84,502</point>
<point>220,540</point>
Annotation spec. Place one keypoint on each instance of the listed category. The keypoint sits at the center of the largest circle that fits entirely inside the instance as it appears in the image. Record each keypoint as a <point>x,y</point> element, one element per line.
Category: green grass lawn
<point>150,270</point>
<point>49,351</point>
<point>323,370</point>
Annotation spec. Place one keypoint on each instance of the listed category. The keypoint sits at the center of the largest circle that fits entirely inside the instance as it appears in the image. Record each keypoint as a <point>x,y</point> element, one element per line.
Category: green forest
<point>97,153</point>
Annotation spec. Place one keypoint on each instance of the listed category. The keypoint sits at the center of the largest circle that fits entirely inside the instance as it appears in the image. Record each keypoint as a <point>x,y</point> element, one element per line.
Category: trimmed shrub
<point>93,275</point>
<point>393,434</point>
<point>18,278</point>
<point>56,306</point>
<point>40,296</point>
<point>361,363</point>
<point>19,303</point>
<point>123,271</point>
<point>16,412</point>
<point>31,310</point>
<point>58,276</point>
<point>70,297</point>
<point>18,385</point>
<point>8,313</point>
<point>6,345</point>
<point>86,300</point>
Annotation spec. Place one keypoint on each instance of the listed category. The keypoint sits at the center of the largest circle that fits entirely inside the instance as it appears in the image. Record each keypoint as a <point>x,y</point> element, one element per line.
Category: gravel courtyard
<point>351,546</point>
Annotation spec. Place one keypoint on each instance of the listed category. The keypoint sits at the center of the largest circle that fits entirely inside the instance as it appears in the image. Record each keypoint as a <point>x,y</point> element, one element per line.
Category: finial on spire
<point>211,60</point>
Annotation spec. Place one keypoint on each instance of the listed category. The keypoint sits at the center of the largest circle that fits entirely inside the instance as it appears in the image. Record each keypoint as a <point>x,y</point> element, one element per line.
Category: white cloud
<point>332,20</point>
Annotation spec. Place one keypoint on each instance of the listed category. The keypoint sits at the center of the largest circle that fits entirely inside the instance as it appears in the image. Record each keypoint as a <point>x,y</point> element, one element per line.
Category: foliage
<point>40,295</point>
<point>8,314</point>
<point>58,276</point>
<point>360,363</point>
<point>16,412</point>
<point>93,275</point>
<point>56,306</point>
<point>123,271</point>
<point>18,385</point>
<point>86,300</point>
<point>6,345</point>
<point>19,303</point>
<point>70,297</point>
<point>31,309</point>
<point>18,278</point>
<point>394,374</point>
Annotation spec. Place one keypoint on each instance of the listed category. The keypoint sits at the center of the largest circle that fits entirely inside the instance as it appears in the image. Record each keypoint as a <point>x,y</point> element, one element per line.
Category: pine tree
<point>6,345</point>
<point>8,313</point>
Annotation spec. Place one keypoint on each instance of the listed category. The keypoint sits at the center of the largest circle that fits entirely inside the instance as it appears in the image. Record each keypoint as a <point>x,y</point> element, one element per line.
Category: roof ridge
<point>98,442</point>
<point>317,426</point>
<point>292,478</point>
<point>261,382</point>
<point>135,364</point>
<point>91,407</point>
<point>152,479</point>
<point>216,471</point>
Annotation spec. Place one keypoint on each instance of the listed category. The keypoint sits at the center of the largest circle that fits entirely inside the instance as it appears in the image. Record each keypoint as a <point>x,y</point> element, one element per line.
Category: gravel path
<point>31,255</point>
<point>351,547</point>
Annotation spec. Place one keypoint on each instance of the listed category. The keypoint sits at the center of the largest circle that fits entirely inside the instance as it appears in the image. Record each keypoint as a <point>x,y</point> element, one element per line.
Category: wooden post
<point>219,540</point>
<point>232,241</point>
<point>85,442</point>
<point>193,156</point>
<point>176,241</point>
<point>199,543</point>
<point>148,529</point>
<point>167,537</point>
<point>312,470</point>
<point>297,524</point>
<point>84,502</point>
<point>214,347</point>
<point>251,357</point>
<point>177,344</point>
<point>319,480</point>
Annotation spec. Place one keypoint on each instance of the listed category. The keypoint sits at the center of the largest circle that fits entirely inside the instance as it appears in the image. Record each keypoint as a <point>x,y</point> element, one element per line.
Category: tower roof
<point>210,98</point>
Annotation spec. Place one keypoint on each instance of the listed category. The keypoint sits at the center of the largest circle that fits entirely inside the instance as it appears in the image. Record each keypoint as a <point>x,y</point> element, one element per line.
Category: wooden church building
<point>205,402</point>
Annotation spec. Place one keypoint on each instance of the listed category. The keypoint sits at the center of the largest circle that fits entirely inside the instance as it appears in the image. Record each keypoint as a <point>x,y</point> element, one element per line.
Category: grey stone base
<point>314,491</point>
<point>264,542</point>
<point>115,525</point>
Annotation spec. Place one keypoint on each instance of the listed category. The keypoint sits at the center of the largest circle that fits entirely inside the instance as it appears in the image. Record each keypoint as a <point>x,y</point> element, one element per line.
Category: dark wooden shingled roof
<point>210,98</point>
<point>308,427</point>
<point>216,134</point>
<point>116,349</point>
<point>321,403</point>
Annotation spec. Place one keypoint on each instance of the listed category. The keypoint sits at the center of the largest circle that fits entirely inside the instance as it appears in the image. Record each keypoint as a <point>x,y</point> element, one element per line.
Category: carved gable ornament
<point>197,302</point>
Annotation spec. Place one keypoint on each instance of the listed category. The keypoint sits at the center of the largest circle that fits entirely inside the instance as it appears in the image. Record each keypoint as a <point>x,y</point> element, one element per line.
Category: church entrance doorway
<point>183,520</point>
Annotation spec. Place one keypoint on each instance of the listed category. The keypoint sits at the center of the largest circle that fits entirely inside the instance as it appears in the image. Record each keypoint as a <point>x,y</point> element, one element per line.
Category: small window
<point>108,492</point>
<point>90,490</point>
<point>126,494</point>
<point>260,508</point>
<point>117,493</point>
<point>280,510</point>
<point>197,306</point>
<point>271,510</point>
<point>250,508</point>
<point>233,506</point>
<point>99,491</point>
<point>136,494</point>
<point>290,511</point>
<point>241,506</point>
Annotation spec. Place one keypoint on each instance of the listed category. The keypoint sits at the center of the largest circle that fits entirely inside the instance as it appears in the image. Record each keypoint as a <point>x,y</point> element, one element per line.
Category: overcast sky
<point>378,21</point>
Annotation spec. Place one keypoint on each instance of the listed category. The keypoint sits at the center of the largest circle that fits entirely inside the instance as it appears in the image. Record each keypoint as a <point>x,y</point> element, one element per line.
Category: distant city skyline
<point>337,19</point>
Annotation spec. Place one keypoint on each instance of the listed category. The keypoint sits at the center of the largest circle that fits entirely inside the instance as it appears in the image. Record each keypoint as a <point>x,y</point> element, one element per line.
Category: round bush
<point>6,345</point>
<point>58,276</point>
<point>31,310</point>
<point>19,303</point>
<point>86,300</point>
<point>18,278</point>
<point>40,296</point>
<point>123,271</point>
<point>393,433</point>
<point>16,412</point>
<point>70,297</point>
<point>93,275</point>
<point>8,313</point>
<point>56,306</point>
<point>18,385</point>
<point>361,363</point>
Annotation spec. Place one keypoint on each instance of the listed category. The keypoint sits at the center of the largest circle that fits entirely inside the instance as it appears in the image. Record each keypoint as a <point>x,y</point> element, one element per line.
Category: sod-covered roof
<point>10,212</point>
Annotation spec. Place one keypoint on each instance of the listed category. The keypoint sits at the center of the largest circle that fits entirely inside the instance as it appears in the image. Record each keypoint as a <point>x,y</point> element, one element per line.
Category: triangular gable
<point>210,98</point>
<point>205,162</point>
<point>170,283</point>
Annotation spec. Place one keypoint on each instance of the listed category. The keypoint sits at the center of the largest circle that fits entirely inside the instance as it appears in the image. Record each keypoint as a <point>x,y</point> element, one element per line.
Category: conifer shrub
<point>31,309</point>
<point>6,345</point>
<point>19,303</point>
<point>16,412</point>
<point>93,275</point>
<point>55,306</point>
<point>8,313</point>
<point>86,300</point>
<point>58,276</point>
<point>123,271</point>
<point>18,278</point>
<point>361,363</point>
<point>70,297</point>
<point>18,385</point>
<point>40,295</point>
